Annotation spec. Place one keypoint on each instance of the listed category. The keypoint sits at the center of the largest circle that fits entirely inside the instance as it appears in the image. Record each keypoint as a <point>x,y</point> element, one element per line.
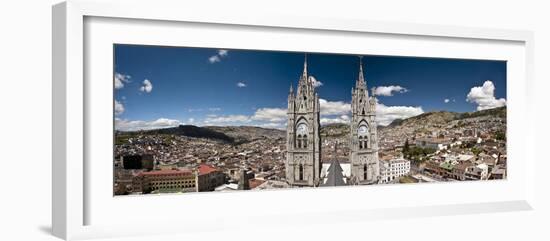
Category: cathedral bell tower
<point>363,137</point>
<point>303,157</point>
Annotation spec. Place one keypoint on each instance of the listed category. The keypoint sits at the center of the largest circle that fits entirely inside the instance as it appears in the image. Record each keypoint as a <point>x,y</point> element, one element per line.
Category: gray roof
<point>335,176</point>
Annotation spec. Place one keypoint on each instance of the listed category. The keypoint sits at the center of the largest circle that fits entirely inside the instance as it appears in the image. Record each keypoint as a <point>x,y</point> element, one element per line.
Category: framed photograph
<point>200,122</point>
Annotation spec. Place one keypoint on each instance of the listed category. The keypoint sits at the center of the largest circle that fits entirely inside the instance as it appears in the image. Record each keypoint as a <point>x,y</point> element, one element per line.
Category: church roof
<point>335,176</point>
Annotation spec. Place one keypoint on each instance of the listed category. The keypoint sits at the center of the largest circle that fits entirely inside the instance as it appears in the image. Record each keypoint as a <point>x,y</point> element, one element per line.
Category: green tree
<point>476,150</point>
<point>501,136</point>
<point>406,148</point>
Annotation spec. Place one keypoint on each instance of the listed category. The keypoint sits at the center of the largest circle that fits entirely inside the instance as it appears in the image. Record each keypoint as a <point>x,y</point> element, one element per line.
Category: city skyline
<point>157,87</point>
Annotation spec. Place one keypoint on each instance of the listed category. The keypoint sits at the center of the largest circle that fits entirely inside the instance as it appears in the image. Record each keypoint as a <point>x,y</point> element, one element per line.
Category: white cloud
<point>263,117</point>
<point>191,120</point>
<point>227,120</point>
<point>389,90</point>
<point>331,112</point>
<point>446,100</point>
<point>218,56</point>
<point>334,107</point>
<point>127,125</point>
<point>147,86</point>
<point>222,52</point>
<point>120,80</point>
<point>119,107</point>
<point>315,82</point>
<point>241,84</point>
<point>214,59</point>
<point>270,114</point>
<point>484,96</point>
<point>386,114</point>
<point>214,109</point>
<point>338,111</point>
<point>343,119</point>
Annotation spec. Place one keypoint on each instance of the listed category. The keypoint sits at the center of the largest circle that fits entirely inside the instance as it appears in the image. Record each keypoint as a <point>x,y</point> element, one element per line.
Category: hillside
<point>427,122</point>
<point>248,133</point>
<point>496,112</point>
<point>335,130</point>
<point>189,131</point>
<point>243,134</point>
<point>429,118</point>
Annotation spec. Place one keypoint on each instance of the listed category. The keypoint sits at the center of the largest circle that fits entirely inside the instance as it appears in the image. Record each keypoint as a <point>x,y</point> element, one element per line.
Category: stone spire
<point>361,80</point>
<point>305,65</point>
<point>304,85</point>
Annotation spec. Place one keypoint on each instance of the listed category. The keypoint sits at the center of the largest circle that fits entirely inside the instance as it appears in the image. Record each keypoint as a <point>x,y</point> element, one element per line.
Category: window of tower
<point>365,172</point>
<point>301,134</point>
<point>301,172</point>
<point>301,141</point>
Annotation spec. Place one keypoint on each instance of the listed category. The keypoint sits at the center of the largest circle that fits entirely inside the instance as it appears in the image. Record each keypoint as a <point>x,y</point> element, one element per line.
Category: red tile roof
<point>205,169</point>
<point>253,183</point>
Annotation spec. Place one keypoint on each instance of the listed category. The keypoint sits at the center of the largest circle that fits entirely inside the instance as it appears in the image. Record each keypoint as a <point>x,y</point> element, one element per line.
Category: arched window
<point>304,141</point>
<point>365,172</point>
<point>299,141</point>
<point>300,172</point>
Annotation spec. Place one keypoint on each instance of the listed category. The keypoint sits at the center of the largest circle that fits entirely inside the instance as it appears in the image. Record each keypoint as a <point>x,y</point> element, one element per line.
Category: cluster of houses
<point>453,161</point>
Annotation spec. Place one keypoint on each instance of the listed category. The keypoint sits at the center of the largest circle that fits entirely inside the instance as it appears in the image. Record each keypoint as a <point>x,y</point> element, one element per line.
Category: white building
<point>433,143</point>
<point>393,169</point>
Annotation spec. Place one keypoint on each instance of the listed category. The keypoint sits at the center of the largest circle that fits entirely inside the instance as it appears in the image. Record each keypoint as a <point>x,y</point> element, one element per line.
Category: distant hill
<point>192,131</point>
<point>335,130</point>
<point>425,120</point>
<point>429,118</point>
<point>443,117</point>
<point>434,120</point>
<point>229,134</point>
<point>241,134</point>
<point>248,133</point>
<point>495,112</point>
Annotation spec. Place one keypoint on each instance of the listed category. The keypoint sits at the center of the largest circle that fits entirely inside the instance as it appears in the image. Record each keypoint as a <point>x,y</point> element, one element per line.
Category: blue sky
<point>165,86</point>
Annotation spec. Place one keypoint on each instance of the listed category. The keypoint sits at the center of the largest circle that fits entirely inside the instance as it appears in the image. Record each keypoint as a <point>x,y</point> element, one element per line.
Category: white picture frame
<point>74,199</point>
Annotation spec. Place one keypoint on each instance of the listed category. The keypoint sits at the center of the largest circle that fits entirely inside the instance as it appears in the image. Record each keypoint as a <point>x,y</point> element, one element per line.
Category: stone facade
<point>303,167</point>
<point>303,160</point>
<point>363,137</point>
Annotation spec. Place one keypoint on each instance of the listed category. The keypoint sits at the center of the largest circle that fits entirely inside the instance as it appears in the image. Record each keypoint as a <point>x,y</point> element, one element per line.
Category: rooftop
<point>205,169</point>
<point>166,172</point>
